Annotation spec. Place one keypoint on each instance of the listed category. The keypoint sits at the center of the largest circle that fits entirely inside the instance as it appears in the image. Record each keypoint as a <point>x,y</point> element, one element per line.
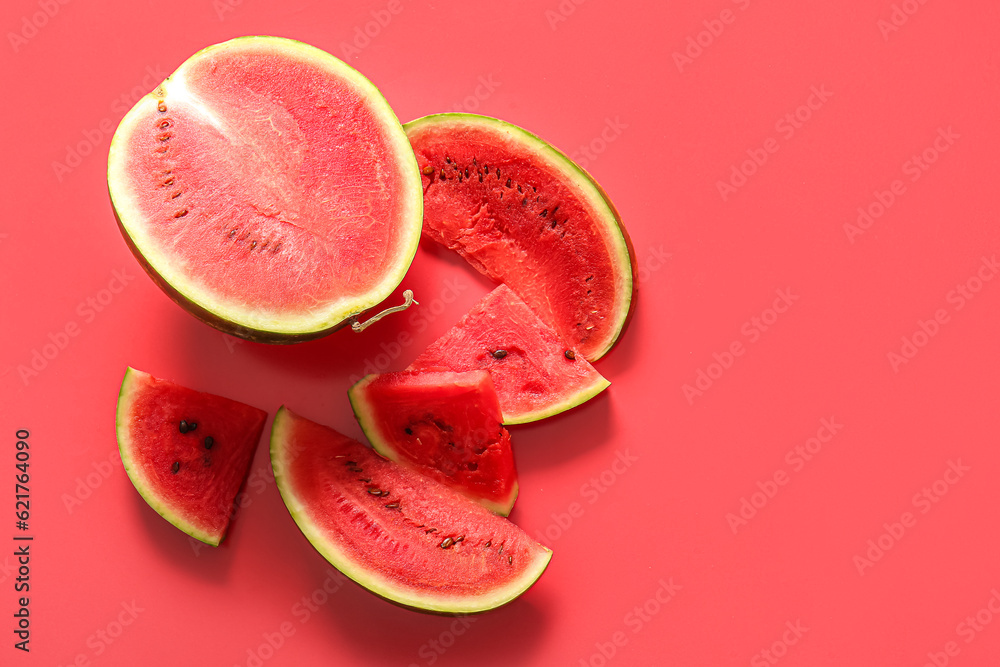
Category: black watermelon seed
<point>209,441</point>
<point>375,491</point>
<point>183,426</point>
<point>447,543</point>
<point>570,354</point>
<point>499,354</point>
<point>408,430</point>
<point>393,505</point>
<point>175,467</point>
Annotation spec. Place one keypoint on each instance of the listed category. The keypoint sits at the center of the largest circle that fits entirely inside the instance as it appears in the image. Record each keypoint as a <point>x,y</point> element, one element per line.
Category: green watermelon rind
<point>364,412</point>
<point>130,384</point>
<point>378,585</point>
<point>589,189</point>
<point>199,302</point>
<point>568,403</point>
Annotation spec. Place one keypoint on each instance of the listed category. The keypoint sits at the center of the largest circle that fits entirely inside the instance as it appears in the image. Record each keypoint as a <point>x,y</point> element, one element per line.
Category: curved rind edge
<point>625,249</point>
<point>375,584</point>
<point>129,385</point>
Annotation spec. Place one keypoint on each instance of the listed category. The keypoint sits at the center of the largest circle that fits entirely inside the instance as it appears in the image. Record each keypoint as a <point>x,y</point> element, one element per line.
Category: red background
<point>651,565</point>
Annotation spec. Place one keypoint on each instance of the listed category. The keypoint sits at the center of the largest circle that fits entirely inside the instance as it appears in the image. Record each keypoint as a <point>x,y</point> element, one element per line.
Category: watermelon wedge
<point>445,425</point>
<point>268,188</point>
<point>525,215</point>
<point>403,536</point>
<point>535,373</point>
<point>186,452</point>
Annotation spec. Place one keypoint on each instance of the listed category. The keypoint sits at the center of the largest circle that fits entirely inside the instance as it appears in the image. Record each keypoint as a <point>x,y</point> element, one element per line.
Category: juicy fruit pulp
<point>186,452</point>
<point>527,216</point>
<point>403,536</point>
<point>268,188</point>
<point>535,374</point>
<point>445,425</point>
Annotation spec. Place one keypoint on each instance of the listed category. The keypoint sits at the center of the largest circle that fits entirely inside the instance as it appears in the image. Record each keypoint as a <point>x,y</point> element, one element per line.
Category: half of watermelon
<point>403,536</point>
<point>526,215</point>
<point>268,188</point>
<point>535,373</point>
<point>445,425</point>
<point>186,452</point>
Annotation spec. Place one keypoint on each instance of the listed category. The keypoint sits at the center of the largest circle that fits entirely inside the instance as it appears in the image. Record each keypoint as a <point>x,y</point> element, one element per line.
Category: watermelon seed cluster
<point>165,135</point>
<point>186,427</point>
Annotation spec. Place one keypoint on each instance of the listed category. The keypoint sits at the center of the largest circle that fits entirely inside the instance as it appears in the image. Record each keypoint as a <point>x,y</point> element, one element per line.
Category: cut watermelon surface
<point>186,452</point>
<point>268,188</point>
<point>535,373</point>
<point>445,425</point>
<point>525,215</point>
<point>400,534</point>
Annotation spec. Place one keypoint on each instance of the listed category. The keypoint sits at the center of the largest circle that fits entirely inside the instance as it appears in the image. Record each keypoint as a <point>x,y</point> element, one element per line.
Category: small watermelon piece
<point>445,425</point>
<point>268,188</point>
<point>186,452</point>
<point>524,214</point>
<point>400,534</point>
<point>535,373</point>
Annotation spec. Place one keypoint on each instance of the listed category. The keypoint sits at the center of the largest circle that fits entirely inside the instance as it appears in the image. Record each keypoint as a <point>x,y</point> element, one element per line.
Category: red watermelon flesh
<point>524,214</point>
<point>445,425</point>
<point>402,535</point>
<point>535,373</point>
<point>186,452</point>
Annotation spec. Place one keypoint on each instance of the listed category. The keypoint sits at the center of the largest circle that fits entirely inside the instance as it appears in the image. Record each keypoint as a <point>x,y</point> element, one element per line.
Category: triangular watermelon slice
<point>536,374</point>
<point>186,452</point>
<point>445,425</point>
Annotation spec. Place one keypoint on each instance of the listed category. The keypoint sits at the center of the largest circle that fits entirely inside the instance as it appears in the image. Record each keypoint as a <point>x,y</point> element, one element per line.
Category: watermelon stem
<point>358,327</point>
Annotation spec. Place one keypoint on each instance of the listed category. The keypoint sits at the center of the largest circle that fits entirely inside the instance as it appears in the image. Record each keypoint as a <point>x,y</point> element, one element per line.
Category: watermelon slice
<point>445,425</point>
<point>186,452</point>
<point>403,536</point>
<point>268,188</point>
<point>535,374</point>
<point>526,215</point>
